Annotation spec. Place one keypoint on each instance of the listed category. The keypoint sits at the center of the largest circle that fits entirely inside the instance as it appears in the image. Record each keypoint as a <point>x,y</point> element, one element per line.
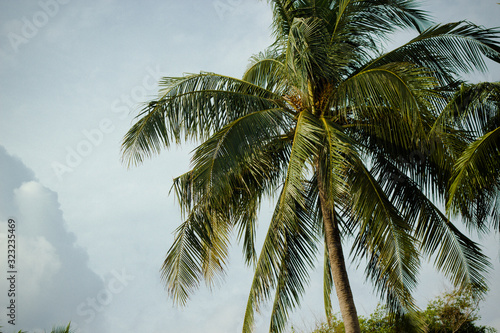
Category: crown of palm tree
<point>350,141</point>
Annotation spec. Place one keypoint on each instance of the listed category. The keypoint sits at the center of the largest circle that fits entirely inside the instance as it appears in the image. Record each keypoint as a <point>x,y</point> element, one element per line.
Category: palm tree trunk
<point>337,264</point>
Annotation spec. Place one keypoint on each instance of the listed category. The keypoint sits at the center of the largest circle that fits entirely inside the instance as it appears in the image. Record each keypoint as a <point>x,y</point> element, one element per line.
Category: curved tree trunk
<point>337,264</point>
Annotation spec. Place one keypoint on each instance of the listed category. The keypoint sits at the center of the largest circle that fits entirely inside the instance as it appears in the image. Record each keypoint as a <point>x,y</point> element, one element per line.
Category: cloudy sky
<point>91,235</point>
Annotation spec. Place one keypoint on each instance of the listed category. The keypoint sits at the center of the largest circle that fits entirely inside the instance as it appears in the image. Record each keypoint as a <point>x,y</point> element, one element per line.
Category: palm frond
<point>447,50</point>
<point>327,284</point>
<point>191,108</point>
<point>473,188</point>
<point>280,253</point>
<point>473,108</point>
<point>225,152</point>
<point>476,181</point>
<point>300,250</point>
<point>458,257</point>
<point>377,17</point>
<point>308,52</point>
<point>385,240</point>
<point>267,70</point>
<point>394,92</point>
<point>199,251</point>
<point>238,164</point>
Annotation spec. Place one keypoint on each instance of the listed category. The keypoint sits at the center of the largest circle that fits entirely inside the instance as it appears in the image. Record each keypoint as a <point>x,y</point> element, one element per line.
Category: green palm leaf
<point>473,188</point>
<point>447,49</point>
<point>385,240</point>
<point>191,107</point>
<point>460,259</point>
<point>476,172</point>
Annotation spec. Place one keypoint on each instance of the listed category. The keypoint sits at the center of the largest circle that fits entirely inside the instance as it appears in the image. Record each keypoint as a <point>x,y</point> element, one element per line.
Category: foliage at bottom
<point>452,312</point>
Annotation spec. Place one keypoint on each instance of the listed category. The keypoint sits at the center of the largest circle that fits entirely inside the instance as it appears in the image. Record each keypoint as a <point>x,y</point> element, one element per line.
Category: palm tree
<point>329,127</point>
<point>475,183</point>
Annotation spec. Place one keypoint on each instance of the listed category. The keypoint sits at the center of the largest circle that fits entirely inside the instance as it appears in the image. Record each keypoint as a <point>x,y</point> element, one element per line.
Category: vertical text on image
<point>11,271</point>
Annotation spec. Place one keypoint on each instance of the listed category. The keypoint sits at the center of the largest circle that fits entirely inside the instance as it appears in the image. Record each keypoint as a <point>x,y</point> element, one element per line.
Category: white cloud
<point>37,271</point>
<point>52,276</point>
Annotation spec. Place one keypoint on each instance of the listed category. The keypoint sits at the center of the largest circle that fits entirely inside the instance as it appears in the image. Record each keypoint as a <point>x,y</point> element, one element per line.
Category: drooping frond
<point>191,108</point>
<point>290,235</point>
<point>425,157</point>
<point>327,284</point>
<point>447,50</point>
<point>339,151</point>
<point>473,189</point>
<point>398,88</point>
<point>181,268</point>
<point>239,164</point>
<point>215,198</point>
<point>231,149</point>
<point>385,240</point>
<point>475,184</point>
<point>458,257</point>
<point>375,19</point>
<point>296,261</point>
<point>283,265</point>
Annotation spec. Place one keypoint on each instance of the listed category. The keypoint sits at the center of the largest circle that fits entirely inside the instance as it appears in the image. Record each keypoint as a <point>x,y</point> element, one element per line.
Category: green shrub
<point>452,312</point>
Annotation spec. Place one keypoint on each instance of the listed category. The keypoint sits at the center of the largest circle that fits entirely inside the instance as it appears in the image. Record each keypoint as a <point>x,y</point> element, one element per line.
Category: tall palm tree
<point>330,127</point>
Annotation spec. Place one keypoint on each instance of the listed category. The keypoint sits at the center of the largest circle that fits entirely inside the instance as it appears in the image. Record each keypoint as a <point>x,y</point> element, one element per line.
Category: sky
<point>91,234</point>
